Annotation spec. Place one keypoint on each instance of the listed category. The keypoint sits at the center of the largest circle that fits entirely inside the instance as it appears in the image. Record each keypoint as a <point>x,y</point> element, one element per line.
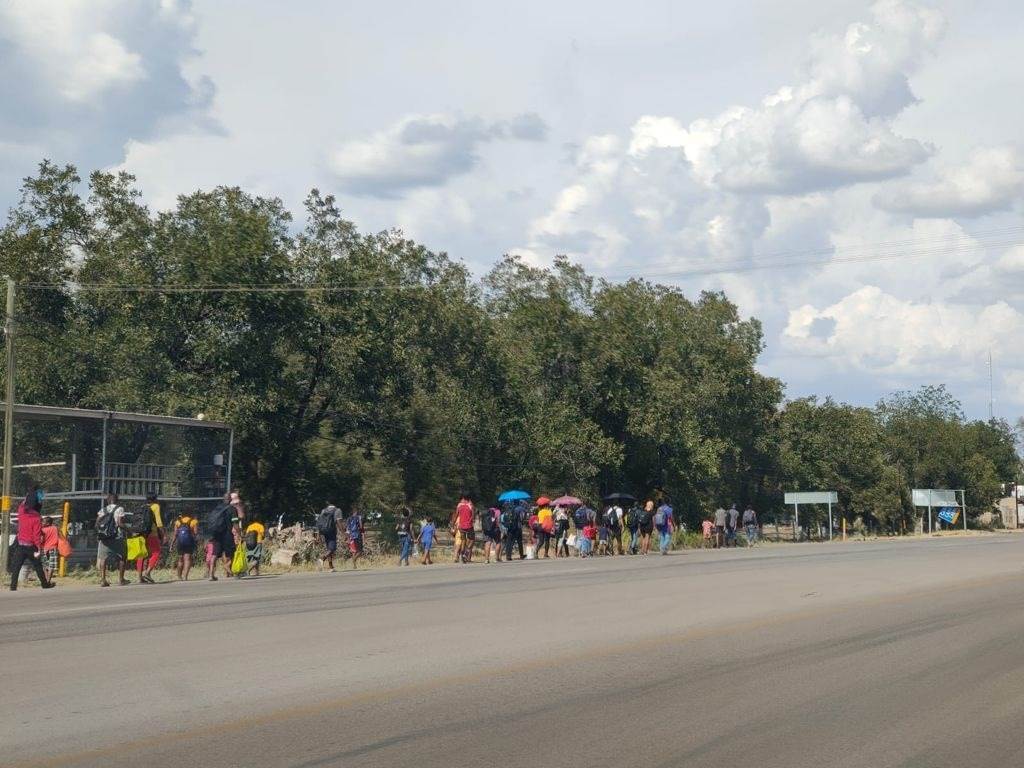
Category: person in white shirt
<point>110,539</point>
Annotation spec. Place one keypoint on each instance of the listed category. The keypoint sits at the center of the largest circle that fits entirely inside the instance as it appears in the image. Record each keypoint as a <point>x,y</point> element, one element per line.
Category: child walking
<point>426,540</point>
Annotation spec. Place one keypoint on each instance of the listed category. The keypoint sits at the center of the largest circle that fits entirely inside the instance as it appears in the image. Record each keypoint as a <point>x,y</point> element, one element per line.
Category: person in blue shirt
<point>426,540</point>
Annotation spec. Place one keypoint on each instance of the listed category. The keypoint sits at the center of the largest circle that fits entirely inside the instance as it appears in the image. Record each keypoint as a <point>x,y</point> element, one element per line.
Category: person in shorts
<point>426,539</point>
<point>329,533</point>
<point>720,519</point>
<point>110,520</point>
<point>185,537</point>
<point>464,514</point>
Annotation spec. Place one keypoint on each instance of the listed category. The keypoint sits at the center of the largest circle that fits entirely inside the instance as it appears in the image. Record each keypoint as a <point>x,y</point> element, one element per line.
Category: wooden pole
<point>5,500</point>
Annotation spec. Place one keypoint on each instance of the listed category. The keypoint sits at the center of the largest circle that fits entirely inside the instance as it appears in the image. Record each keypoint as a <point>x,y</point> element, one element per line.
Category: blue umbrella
<point>514,496</point>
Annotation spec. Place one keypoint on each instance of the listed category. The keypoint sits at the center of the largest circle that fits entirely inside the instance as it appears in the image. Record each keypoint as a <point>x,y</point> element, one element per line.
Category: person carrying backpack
<point>354,530</point>
<point>111,539</point>
<point>632,522</point>
<point>186,536</point>
<point>327,528</point>
<point>219,527</point>
<point>514,519</point>
<point>613,522</point>
<point>151,525</point>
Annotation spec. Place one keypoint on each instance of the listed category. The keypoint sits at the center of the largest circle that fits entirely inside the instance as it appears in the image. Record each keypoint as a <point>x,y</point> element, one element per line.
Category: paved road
<point>870,654</point>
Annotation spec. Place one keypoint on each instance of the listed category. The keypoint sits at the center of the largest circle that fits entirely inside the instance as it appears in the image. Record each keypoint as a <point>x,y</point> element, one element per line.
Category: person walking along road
<point>721,516</point>
<point>664,524</point>
<point>490,526</point>
<point>186,535</point>
<point>51,542</point>
<point>613,521</point>
<point>29,541</point>
<point>750,524</point>
<point>220,527</point>
<point>354,530</point>
<point>404,530</point>
<point>110,539</point>
<point>733,521</point>
<point>327,527</point>
<point>152,527</point>
<point>646,527</point>
<point>512,522</point>
<point>426,540</point>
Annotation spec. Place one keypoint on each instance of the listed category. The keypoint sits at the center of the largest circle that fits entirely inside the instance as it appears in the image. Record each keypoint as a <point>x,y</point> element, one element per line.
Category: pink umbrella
<point>567,501</point>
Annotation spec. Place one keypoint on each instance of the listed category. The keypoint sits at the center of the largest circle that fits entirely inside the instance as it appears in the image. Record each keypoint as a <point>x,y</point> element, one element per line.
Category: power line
<point>943,245</point>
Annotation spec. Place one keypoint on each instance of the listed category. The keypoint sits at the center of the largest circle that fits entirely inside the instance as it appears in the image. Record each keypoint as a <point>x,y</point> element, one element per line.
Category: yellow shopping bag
<point>136,546</point>
<point>239,561</point>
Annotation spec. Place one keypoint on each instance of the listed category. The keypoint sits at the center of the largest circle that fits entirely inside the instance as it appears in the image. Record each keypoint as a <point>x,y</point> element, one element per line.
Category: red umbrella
<point>567,501</point>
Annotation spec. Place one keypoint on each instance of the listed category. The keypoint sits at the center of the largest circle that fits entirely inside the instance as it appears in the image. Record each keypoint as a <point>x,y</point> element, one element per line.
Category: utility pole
<point>5,501</point>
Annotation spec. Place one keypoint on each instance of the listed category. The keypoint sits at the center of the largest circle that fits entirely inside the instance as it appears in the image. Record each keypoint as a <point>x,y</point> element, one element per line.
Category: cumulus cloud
<point>991,180</point>
<point>423,151</point>
<point>83,77</point>
<point>703,190</point>
<point>875,330</point>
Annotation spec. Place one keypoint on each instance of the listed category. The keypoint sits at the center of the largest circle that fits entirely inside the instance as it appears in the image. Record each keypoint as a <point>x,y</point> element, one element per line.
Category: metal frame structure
<point>22,411</point>
<point>939,497</point>
<point>796,498</point>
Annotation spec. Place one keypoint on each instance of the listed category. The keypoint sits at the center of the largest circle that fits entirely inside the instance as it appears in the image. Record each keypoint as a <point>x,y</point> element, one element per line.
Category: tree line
<point>398,378</point>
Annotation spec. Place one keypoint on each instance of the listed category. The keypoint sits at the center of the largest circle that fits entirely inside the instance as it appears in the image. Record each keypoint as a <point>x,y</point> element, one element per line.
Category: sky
<point>850,173</point>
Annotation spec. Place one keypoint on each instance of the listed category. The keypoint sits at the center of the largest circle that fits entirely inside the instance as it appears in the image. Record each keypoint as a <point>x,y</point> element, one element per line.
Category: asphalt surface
<point>866,654</point>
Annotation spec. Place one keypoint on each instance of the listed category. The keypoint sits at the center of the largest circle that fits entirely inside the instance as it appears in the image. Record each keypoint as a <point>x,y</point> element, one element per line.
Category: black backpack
<point>326,523</point>
<point>143,522</point>
<point>633,518</point>
<point>251,540</point>
<point>487,520</point>
<point>106,528</point>
<point>510,519</point>
<point>610,518</point>
<point>219,520</point>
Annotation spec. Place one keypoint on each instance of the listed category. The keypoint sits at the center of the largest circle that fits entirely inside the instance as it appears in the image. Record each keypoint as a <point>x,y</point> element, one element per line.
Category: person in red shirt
<point>464,514</point>
<point>50,539</point>
<point>29,542</point>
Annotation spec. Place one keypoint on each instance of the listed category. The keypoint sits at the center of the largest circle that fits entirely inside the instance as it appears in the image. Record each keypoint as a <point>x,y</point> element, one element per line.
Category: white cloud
<point>423,151</point>
<point>992,179</point>
<point>873,330</point>
<point>80,78</point>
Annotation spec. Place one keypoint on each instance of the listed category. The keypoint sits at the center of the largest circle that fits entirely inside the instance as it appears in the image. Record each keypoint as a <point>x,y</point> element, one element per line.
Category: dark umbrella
<point>619,497</point>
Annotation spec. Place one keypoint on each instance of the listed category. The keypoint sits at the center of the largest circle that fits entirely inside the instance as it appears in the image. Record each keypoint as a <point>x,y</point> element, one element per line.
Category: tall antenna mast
<point>991,399</point>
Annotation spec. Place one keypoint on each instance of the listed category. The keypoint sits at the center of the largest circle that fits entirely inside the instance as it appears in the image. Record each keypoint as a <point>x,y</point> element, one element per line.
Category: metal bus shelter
<point>796,498</point>
<point>80,455</point>
<point>941,498</point>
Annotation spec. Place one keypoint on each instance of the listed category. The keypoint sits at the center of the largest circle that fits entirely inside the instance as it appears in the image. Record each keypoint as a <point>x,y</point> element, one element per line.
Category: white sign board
<point>812,497</point>
<point>935,497</point>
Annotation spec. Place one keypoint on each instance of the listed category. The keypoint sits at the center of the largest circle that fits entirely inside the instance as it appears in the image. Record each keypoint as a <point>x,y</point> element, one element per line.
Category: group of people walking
<point>521,527</point>
<point>535,530</point>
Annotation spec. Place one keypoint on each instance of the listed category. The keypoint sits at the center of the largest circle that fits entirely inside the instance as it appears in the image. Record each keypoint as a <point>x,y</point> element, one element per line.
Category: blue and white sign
<point>949,515</point>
